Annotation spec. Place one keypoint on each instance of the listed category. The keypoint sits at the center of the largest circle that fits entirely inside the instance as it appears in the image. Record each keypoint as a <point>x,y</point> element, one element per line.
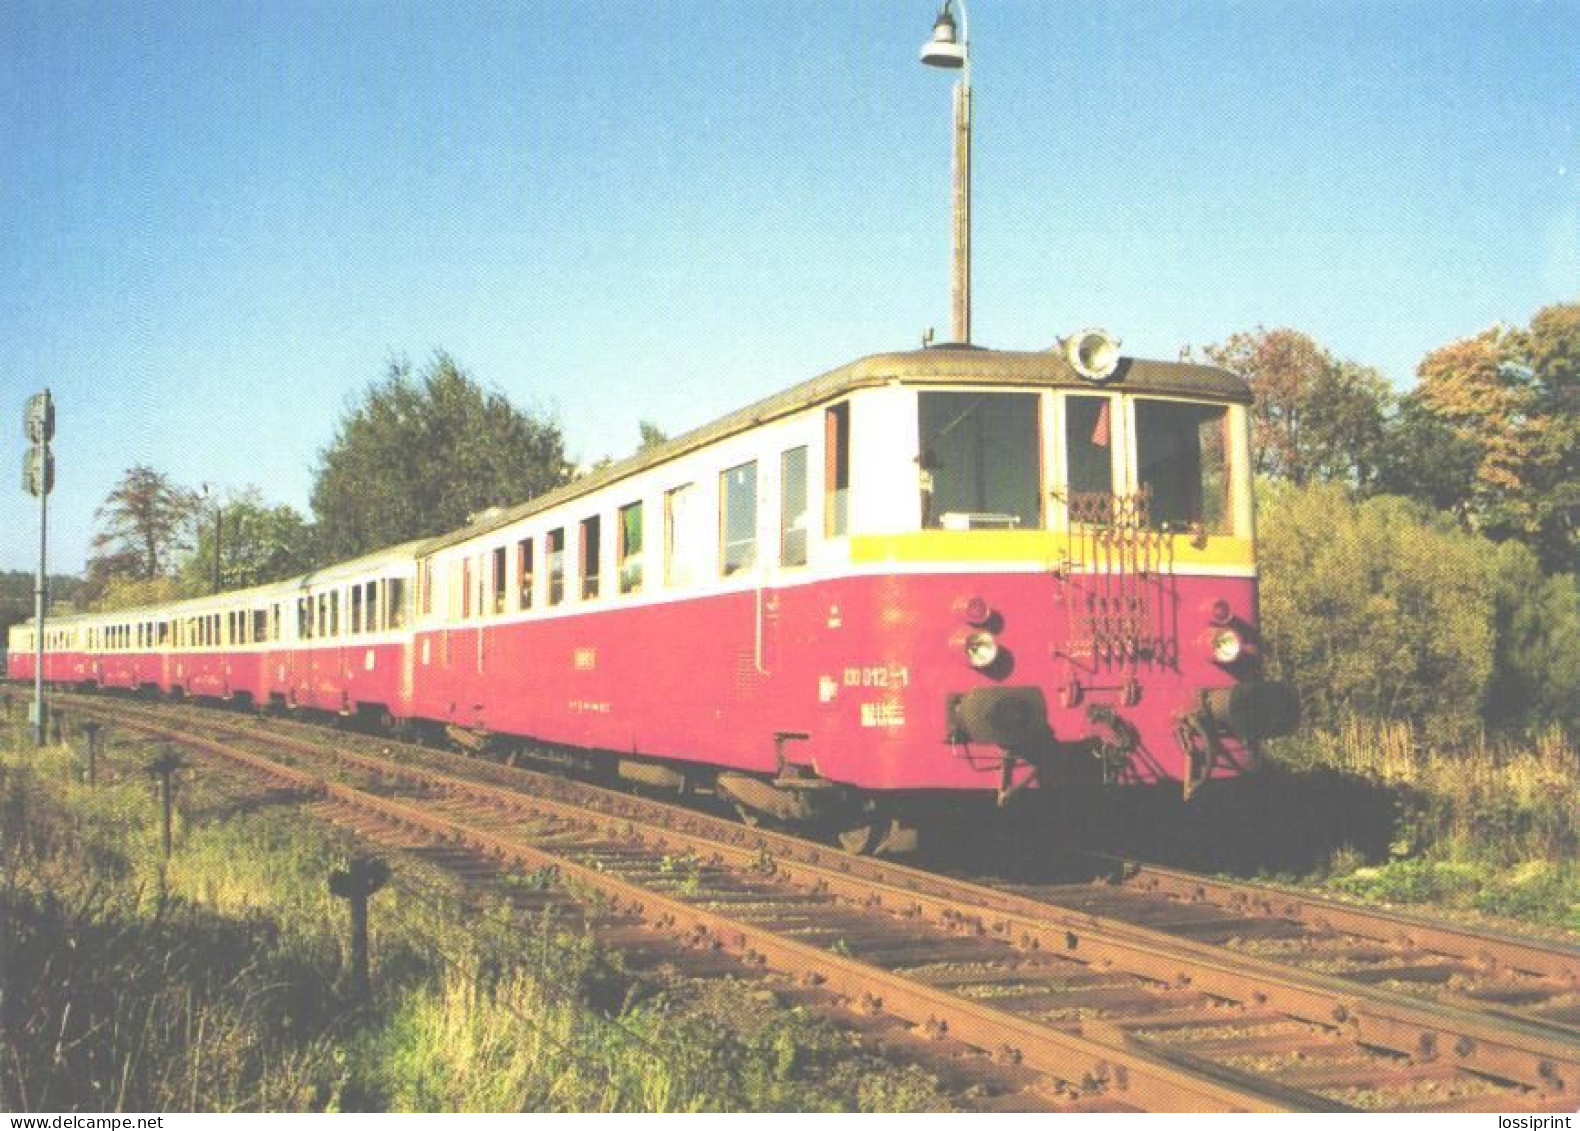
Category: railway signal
<point>38,480</point>
<point>361,877</point>
<point>163,769</point>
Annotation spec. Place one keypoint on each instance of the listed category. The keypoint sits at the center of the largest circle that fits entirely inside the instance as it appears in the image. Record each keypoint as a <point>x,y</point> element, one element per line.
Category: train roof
<point>339,571</point>
<point>948,365</point>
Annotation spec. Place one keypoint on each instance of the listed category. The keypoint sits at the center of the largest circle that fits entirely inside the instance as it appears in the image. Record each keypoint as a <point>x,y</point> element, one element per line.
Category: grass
<point>1492,826</point>
<point>219,981</point>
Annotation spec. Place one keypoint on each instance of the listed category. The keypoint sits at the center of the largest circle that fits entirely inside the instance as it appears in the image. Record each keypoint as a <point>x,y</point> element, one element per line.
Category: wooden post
<point>163,768</point>
<point>361,878</point>
<point>93,731</point>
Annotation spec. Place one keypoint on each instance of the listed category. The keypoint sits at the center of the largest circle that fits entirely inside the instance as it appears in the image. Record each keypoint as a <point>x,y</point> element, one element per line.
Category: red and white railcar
<point>946,571</point>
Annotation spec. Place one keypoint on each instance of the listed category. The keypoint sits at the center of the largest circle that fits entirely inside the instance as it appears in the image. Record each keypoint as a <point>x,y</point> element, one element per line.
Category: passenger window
<point>499,579</point>
<point>374,624</point>
<point>555,549</point>
<point>524,574</point>
<point>395,603</point>
<point>1088,447</point>
<point>260,627</point>
<point>1182,463</point>
<point>681,541</point>
<point>592,530</point>
<point>466,588</point>
<point>792,507</point>
<point>836,470</point>
<point>356,609</point>
<point>980,463</point>
<point>738,517</point>
<point>631,548</point>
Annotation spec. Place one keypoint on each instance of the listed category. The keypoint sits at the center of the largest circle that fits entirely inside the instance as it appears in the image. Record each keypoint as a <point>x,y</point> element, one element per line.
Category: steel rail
<point>1496,950</point>
<point>1129,1074</point>
<point>1370,1016</point>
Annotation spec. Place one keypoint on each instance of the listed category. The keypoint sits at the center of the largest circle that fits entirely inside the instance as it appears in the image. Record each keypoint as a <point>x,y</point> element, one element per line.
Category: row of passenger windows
<point>373,606</point>
<point>481,584</point>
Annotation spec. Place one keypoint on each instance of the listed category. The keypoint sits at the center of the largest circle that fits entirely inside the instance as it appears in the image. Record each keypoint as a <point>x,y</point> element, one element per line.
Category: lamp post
<point>952,51</point>
<point>219,518</point>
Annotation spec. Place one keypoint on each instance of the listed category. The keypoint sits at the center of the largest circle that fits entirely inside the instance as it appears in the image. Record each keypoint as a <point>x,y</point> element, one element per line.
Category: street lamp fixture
<point>952,51</point>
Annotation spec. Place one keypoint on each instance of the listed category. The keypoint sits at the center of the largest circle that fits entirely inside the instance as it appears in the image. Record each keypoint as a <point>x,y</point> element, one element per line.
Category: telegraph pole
<point>38,478</point>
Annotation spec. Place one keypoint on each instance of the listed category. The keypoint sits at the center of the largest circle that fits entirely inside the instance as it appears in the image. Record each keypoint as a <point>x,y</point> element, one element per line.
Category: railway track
<point>1530,981</point>
<point>1105,1011</point>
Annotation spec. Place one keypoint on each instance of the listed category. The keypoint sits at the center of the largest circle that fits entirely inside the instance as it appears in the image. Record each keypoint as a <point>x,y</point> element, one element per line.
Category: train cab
<point>1050,572</point>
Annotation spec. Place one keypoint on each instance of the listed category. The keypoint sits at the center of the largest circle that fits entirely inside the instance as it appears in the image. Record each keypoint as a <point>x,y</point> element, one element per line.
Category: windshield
<point>1182,462</point>
<point>979,466</point>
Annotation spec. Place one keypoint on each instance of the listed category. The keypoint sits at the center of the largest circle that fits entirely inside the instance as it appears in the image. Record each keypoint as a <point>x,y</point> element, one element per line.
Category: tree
<point>1423,457</point>
<point>1474,387</point>
<point>652,435</point>
<point>258,543</point>
<point>419,454</point>
<point>1316,418</point>
<point>1513,397</point>
<point>143,522</point>
<point>1536,657</point>
<point>1551,348</point>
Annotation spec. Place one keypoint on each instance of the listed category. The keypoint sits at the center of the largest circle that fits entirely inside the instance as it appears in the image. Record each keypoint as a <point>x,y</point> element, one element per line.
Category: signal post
<point>38,479</point>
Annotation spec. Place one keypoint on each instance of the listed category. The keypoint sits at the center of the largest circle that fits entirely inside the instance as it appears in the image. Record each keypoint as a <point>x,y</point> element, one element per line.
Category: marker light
<point>973,610</point>
<point>1220,612</point>
<point>1226,645</point>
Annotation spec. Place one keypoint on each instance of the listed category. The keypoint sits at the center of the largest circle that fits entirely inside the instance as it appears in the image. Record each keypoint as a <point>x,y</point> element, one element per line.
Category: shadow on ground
<point>1274,823</point>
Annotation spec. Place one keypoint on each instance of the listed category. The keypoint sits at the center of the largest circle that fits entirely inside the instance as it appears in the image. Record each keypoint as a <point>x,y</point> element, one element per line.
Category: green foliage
<point>121,592</point>
<point>1536,629</point>
<point>1540,891</point>
<point>258,543</point>
<point>1512,397</point>
<point>1375,608</point>
<point>652,435</point>
<point>1423,457</point>
<point>16,596</point>
<point>216,982</point>
<point>1410,881</point>
<point>1316,418</point>
<point>1498,799</point>
<point>421,453</point>
<point>143,522</point>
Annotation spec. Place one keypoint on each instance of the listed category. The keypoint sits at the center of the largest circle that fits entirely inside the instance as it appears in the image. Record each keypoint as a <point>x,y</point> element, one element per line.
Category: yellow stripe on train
<point>1047,548</point>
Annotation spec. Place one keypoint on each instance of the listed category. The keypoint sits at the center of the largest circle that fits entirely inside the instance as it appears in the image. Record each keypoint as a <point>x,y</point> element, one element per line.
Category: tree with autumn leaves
<point>1511,399</point>
<point>1440,528</point>
<point>1490,433</point>
<point>1317,418</point>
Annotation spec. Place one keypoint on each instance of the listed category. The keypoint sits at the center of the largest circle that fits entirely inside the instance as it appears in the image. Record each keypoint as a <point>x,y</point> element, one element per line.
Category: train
<point>951,576</point>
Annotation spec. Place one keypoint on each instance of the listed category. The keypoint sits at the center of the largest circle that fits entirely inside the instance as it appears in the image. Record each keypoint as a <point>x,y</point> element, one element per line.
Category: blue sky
<point>222,220</point>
